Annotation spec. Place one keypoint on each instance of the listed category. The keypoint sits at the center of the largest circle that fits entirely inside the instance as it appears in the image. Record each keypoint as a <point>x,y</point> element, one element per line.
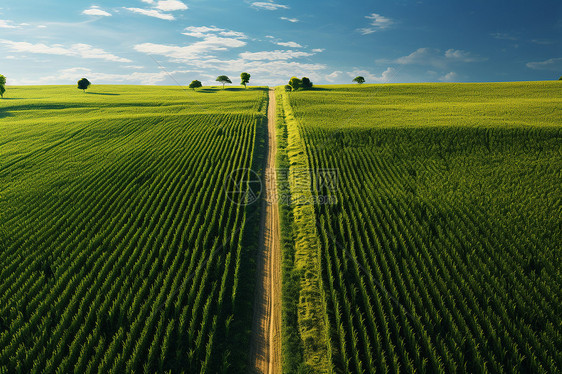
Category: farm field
<point>439,248</point>
<point>120,248</point>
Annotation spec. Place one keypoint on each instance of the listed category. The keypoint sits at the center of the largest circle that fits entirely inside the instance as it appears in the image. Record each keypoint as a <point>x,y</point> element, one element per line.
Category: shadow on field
<point>104,94</point>
<point>207,90</point>
<point>247,89</point>
<point>11,98</point>
<point>32,106</point>
<point>5,114</point>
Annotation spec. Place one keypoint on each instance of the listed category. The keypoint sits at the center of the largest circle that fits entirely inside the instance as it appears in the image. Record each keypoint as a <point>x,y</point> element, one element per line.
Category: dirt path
<point>265,349</point>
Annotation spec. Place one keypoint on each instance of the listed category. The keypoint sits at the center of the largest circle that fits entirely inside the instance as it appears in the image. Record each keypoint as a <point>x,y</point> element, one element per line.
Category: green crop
<point>122,250</point>
<point>440,250</point>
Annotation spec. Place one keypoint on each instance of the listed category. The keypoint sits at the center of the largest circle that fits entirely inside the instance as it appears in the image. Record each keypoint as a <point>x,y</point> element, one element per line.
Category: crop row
<point>132,264</point>
<point>436,257</point>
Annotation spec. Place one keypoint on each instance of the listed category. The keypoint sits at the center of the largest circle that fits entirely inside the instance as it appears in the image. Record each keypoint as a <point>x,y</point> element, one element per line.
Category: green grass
<point>120,250</point>
<point>427,104</point>
<point>119,247</point>
<point>442,251</point>
<point>306,345</point>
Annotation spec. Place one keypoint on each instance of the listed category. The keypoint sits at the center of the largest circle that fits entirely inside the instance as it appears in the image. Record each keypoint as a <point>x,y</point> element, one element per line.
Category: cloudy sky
<point>331,41</point>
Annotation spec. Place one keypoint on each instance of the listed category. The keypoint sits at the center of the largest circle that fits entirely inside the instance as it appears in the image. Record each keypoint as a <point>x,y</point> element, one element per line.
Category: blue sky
<point>330,41</point>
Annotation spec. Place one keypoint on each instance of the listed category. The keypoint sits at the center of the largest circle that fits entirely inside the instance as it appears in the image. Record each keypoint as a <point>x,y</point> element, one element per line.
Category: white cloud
<point>203,29</point>
<point>96,11</point>
<point>378,23</point>
<point>274,55</point>
<point>75,50</point>
<point>318,50</point>
<point>290,44</point>
<point>213,39</point>
<point>449,77</point>
<point>461,56</point>
<point>550,64</point>
<point>208,51</point>
<point>269,5</point>
<point>293,20</point>
<point>87,51</point>
<point>385,76</point>
<point>136,67</point>
<point>436,58</point>
<point>206,31</point>
<point>333,76</point>
<point>270,37</point>
<point>69,76</point>
<point>5,24</point>
<point>193,51</point>
<point>422,56</point>
<point>152,13</point>
<point>201,32</point>
<point>234,34</point>
<point>171,5</point>
<point>148,1</point>
<point>272,67</point>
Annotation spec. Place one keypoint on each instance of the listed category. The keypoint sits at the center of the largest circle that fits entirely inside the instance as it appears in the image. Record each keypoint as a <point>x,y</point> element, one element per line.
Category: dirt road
<point>265,349</point>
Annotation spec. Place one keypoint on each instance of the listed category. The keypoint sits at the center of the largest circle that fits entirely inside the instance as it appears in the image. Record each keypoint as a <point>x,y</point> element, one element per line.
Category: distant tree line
<point>295,84</point>
<point>223,79</point>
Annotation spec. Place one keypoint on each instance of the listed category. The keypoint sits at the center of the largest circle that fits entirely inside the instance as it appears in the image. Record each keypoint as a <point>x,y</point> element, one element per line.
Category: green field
<point>434,246</point>
<point>441,252</point>
<point>120,249</point>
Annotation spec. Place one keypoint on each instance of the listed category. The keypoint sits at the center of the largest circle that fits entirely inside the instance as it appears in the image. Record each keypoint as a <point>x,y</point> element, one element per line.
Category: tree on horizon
<point>83,84</point>
<point>223,79</point>
<point>245,79</point>
<point>359,80</point>
<point>195,84</point>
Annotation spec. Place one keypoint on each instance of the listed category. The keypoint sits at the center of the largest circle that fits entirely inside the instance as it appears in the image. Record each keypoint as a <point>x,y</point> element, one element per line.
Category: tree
<point>245,77</point>
<point>2,85</point>
<point>83,84</point>
<point>560,79</point>
<point>359,80</point>
<point>195,84</point>
<point>223,79</point>
<point>295,83</point>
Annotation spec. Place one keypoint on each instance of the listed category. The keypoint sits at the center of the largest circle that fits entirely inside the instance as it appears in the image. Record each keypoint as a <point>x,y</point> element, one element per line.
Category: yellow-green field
<point>120,250</point>
<point>439,250</point>
<point>433,244</point>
